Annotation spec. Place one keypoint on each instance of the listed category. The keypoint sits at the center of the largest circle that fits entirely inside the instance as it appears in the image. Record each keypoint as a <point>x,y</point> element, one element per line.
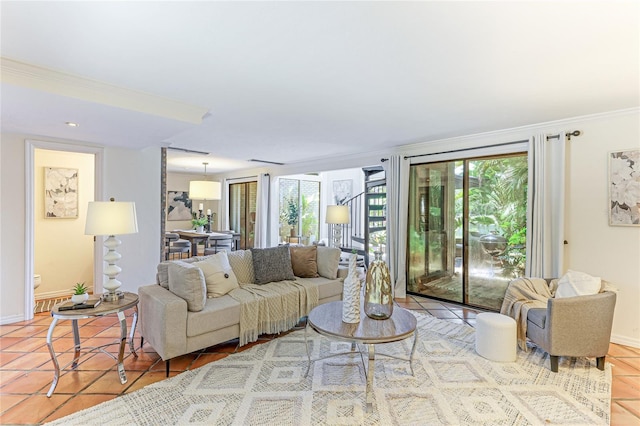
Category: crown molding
<point>44,79</point>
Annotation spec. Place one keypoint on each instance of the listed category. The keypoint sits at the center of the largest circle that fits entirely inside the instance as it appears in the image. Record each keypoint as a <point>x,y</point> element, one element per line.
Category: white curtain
<point>545,207</point>
<point>261,232</point>
<point>223,213</point>
<point>397,175</point>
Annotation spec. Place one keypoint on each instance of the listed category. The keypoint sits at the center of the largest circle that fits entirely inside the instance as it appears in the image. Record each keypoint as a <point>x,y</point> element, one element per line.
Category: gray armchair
<point>573,326</point>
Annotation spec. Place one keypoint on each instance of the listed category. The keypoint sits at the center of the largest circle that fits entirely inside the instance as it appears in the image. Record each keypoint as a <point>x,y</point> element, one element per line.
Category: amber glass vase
<point>378,293</point>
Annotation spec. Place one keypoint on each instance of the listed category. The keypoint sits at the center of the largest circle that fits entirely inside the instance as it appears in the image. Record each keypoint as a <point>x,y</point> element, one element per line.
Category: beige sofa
<point>174,325</point>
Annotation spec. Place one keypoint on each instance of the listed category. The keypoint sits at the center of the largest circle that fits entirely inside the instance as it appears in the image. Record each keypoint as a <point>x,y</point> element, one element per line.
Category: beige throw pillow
<point>328,260</point>
<point>242,264</point>
<point>218,274</point>
<point>303,261</point>
<point>187,281</point>
<point>162,277</point>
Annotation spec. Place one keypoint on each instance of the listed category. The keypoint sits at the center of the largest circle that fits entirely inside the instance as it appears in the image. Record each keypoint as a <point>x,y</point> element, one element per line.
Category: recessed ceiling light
<point>72,124</point>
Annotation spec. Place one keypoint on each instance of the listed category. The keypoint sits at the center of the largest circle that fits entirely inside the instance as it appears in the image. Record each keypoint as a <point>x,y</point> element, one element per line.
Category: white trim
<point>73,86</point>
<point>14,318</point>
<point>626,341</point>
<point>30,147</point>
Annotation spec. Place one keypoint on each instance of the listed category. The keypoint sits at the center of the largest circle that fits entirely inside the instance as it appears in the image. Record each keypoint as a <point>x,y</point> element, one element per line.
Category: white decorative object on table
<point>351,294</point>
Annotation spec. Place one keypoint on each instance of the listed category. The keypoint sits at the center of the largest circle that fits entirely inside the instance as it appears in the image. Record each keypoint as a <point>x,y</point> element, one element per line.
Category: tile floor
<point>26,369</point>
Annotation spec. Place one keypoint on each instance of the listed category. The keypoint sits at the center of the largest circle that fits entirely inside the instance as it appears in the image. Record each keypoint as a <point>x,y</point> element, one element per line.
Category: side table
<point>118,307</point>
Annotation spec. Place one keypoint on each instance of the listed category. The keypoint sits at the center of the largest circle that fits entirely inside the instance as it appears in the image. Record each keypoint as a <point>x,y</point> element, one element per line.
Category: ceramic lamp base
<point>112,296</point>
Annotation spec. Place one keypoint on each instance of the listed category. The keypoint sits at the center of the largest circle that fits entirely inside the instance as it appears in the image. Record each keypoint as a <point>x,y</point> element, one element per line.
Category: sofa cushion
<point>217,313</point>
<point>303,261</point>
<point>326,288</point>
<point>242,264</point>
<point>328,261</point>
<point>218,274</point>
<point>272,264</point>
<point>162,277</point>
<point>187,281</point>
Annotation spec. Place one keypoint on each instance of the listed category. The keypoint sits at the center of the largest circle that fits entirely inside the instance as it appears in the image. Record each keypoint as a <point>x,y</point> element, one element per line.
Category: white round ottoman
<point>496,337</point>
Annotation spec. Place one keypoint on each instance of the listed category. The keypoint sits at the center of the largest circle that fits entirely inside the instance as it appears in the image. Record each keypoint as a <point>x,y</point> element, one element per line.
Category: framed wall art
<point>178,205</point>
<point>342,190</point>
<point>624,188</point>
<point>60,193</point>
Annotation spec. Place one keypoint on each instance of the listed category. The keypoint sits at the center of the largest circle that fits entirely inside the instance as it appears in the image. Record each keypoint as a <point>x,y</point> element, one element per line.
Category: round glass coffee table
<point>326,319</point>
<point>129,301</point>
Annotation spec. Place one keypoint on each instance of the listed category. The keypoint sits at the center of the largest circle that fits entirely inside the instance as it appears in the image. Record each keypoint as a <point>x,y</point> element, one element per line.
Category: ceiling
<point>298,81</point>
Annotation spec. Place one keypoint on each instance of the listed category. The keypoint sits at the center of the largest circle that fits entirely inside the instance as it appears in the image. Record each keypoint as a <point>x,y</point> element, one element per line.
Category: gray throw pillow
<point>272,264</point>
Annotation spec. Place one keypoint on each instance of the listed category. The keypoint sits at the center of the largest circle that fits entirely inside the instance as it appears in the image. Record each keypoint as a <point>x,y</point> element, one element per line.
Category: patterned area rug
<point>46,304</point>
<point>266,385</point>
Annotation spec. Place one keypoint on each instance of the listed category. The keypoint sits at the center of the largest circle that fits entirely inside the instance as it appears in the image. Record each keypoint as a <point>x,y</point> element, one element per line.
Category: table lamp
<point>337,216</point>
<point>111,218</point>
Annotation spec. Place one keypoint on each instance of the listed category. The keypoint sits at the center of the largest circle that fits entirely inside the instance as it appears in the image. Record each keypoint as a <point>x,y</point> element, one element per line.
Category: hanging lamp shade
<point>205,190</point>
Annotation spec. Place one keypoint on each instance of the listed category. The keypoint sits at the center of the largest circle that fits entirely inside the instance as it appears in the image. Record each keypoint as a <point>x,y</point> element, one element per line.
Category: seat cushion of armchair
<point>537,316</point>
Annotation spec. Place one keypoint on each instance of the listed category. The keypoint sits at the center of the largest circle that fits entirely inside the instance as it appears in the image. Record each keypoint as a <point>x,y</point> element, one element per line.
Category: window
<point>299,210</point>
<point>467,228</point>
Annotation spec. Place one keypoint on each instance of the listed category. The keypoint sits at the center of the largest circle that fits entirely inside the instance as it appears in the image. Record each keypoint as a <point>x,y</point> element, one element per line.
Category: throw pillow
<point>575,283</point>
<point>187,281</point>
<point>272,264</point>
<point>218,274</point>
<point>303,261</point>
<point>242,264</point>
<point>162,277</point>
<point>328,262</point>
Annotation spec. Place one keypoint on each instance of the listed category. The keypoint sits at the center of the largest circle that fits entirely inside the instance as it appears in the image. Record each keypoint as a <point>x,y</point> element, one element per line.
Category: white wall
<point>63,253</point>
<point>131,175</point>
<point>610,252</point>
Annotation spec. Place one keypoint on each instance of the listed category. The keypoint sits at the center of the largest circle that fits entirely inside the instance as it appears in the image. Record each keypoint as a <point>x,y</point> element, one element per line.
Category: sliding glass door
<point>242,211</point>
<point>467,227</point>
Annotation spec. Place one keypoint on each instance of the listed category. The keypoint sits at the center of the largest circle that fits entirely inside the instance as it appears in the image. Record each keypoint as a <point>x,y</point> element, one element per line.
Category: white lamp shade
<point>337,214</point>
<point>111,218</point>
<point>205,190</point>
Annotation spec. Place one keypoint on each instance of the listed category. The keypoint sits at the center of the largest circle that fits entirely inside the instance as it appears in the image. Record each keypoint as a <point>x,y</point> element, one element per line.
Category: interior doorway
<point>49,233</point>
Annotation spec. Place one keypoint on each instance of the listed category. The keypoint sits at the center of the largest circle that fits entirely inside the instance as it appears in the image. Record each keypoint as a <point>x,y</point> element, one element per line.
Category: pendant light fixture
<point>205,189</point>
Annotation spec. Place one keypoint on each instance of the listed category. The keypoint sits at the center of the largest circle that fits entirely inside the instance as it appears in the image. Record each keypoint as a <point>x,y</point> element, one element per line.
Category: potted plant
<point>80,294</point>
<point>198,223</point>
<point>292,216</point>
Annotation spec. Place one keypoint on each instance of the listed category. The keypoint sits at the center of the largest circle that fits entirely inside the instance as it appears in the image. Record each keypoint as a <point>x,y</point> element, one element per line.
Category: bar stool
<point>217,243</point>
<point>175,245</point>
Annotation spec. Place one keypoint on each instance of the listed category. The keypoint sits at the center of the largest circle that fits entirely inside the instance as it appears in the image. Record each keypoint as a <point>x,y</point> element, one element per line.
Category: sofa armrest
<point>163,320</point>
<point>343,271</point>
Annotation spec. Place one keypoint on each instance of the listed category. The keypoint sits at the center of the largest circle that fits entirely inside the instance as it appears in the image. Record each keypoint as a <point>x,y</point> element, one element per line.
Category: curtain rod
<point>406,157</point>
<point>461,150</point>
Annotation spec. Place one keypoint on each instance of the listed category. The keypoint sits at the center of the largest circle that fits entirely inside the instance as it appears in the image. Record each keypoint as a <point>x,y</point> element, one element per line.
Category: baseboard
<point>57,293</point>
<point>623,340</point>
<point>11,319</point>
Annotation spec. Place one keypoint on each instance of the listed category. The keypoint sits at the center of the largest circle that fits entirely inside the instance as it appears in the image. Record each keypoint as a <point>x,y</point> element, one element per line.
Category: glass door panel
<point>432,231</point>
<point>497,199</point>
<point>467,228</point>
<point>242,211</point>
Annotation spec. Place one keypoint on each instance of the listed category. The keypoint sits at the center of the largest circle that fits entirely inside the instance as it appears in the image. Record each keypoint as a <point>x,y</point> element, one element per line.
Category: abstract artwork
<point>342,190</point>
<point>179,205</point>
<point>624,188</point>
<point>60,193</point>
